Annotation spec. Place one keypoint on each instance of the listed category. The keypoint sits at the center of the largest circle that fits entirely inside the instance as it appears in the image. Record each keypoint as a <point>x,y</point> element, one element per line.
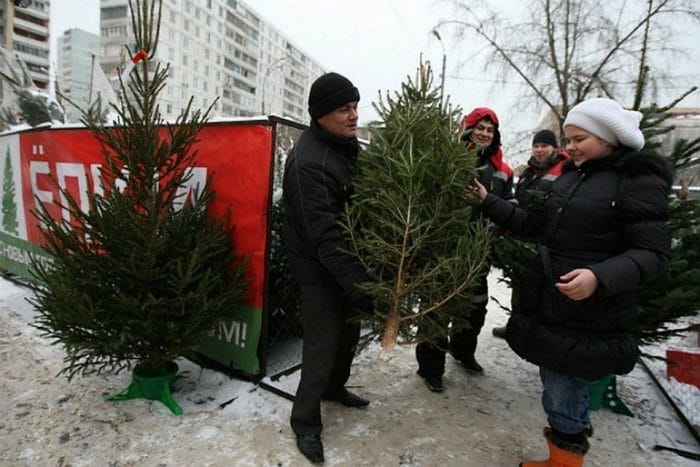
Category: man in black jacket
<point>317,186</point>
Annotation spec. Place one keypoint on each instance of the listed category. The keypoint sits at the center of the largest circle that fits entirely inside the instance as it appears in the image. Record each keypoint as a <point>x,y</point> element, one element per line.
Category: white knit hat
<point>607,119</point>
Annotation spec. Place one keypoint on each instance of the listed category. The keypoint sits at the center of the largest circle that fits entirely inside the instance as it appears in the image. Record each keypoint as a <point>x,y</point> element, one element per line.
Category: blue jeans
<point>565,400</point>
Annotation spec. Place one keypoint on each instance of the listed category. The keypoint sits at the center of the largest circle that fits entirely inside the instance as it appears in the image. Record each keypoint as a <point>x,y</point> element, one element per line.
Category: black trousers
<point>330,340</point>
<point>461,343</point>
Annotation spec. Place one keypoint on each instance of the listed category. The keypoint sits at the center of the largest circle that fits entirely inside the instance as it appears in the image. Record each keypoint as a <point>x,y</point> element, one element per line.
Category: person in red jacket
<point>542,169</point>
<point>481,133</point>
<point>534,183</point>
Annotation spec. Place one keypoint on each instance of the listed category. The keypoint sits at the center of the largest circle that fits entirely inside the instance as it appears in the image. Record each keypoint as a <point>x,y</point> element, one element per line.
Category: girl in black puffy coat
<point>603,232</point>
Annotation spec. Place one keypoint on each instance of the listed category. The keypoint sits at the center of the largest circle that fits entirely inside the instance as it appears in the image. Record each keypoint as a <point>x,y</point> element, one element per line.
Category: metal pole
<point>442,79</point>
<point>272,66</point>
<point>92,74</point>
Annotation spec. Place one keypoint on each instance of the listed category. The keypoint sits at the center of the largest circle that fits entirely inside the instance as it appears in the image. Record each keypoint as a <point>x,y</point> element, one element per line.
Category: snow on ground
<point>494,419</point>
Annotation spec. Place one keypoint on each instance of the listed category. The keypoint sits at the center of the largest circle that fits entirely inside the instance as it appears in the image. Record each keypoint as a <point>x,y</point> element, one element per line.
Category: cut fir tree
<point>145,270</point>
<point>408,223</point>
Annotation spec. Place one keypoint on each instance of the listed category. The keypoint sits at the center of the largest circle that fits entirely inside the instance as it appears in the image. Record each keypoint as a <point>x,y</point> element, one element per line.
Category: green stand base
<point>603,393</point>
<point>146,385</point>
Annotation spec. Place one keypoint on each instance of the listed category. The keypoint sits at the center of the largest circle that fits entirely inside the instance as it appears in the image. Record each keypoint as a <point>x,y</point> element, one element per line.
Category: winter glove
<point>360,300</point>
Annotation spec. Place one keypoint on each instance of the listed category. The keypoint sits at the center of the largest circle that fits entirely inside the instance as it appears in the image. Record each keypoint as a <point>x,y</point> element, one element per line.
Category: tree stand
<point>151,385</point>
<point>603,393</point>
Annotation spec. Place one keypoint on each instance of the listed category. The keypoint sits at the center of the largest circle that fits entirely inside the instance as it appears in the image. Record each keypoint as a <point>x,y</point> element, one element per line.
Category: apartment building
<point>217,48</point>
<point>24,30</point>
<point>77,57</point>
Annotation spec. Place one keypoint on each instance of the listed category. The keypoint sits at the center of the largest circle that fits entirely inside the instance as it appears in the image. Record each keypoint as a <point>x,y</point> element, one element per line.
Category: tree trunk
<point>391,330</point>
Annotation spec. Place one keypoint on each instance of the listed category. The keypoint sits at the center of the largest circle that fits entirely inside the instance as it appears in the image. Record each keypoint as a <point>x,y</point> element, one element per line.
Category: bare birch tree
<point>570,50</point>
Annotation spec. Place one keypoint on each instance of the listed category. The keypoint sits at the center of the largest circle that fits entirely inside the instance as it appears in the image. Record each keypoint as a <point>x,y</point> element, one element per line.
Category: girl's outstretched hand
<point>475,192</point>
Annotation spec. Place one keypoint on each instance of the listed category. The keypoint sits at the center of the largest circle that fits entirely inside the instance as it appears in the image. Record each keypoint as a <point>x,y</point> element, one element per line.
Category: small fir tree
<point>408,223</point>
<point>9,205</point>
<point>285,300</point>
<point>146,271</point>
<point>675,293</point>
<point>36,109</point>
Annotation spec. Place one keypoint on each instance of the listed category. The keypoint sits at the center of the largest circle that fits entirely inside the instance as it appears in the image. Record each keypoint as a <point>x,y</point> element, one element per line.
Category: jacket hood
<point>473,117</point>
<point>630,162</point>
<point>646,162</point>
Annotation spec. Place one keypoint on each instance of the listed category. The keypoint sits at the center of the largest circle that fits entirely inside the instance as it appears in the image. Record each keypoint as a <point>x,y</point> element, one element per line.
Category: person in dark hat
<point>534,183</point>
<point>542,168</point>
<point>316,188</point>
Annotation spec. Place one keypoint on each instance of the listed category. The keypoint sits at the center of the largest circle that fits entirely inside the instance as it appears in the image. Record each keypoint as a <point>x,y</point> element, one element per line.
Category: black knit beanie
<point>545,137</point>
<point>329,92</point>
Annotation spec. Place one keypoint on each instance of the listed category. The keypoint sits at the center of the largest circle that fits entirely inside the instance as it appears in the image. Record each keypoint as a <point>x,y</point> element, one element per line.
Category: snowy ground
<point>494,419</point>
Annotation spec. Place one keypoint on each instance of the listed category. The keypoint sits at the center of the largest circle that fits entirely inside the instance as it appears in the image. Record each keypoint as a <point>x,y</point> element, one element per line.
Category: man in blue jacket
<point>317,187</point>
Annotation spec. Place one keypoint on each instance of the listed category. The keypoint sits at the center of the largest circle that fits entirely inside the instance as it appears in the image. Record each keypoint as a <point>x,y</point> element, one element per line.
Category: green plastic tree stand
<point>151,385</point>
<point>603,393</point>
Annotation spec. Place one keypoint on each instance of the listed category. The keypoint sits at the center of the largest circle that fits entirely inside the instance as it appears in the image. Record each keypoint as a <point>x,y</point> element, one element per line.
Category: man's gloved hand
<point>361,300</point>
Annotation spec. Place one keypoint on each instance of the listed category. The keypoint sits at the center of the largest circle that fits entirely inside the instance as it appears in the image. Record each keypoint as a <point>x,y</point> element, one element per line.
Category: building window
<point>114,12</point>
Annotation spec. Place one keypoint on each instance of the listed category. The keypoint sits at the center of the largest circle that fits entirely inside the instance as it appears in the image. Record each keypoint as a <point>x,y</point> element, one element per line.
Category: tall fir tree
<point>408,223</point>
<point>9,204</point>
<point>147,270</point>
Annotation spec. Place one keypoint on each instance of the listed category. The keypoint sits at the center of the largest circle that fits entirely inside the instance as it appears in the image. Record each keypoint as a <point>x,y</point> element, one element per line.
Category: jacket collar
<point>349,147</point>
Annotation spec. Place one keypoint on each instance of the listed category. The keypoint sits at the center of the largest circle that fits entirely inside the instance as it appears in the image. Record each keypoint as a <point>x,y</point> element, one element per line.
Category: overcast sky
<point>375,43</point>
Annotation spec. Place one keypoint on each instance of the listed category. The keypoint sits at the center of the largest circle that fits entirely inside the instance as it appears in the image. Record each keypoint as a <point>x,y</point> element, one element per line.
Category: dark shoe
<point>472,366</point>
<point>311,446</point>
<point>499,332</point>
<point>434,383</point>
<point>349,399</point>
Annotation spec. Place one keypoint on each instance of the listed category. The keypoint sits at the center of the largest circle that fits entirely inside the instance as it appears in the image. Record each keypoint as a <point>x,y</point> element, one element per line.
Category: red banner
<point>238,156</point>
